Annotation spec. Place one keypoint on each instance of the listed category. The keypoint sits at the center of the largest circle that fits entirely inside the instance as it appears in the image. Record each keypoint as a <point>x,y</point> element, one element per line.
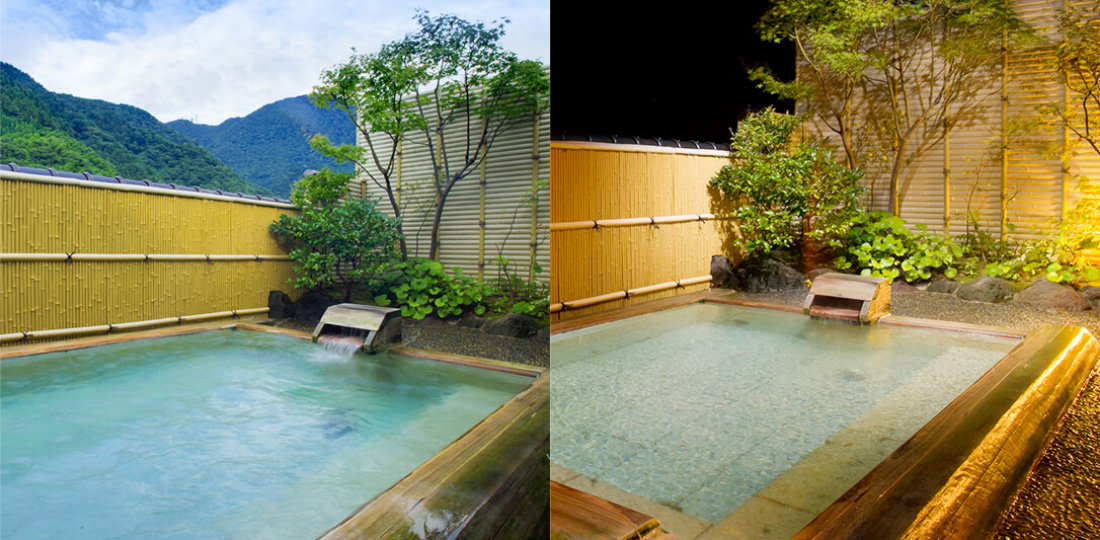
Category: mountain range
<point>264,152</point>
<point>270,146</point>
<point>40,128</point>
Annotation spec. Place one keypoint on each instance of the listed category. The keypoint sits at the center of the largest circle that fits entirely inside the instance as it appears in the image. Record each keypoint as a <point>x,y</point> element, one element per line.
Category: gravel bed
<point>452,339</point>
<point>948,307</point>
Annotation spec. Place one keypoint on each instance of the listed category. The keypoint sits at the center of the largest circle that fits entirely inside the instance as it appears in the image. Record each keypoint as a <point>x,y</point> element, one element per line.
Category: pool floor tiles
<point>778,510</point>
<point>772,509</point>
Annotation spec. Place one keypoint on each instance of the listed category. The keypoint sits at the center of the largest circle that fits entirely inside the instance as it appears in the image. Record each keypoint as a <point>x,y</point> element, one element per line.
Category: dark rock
<point>945,286</point>
<point>722,274</point>
<point>900,286</point>
<point>312,305</point>
<point>1092,294</point>
<point>512,325</point>
<point>543,335</point>
<point>279,305</point>
<point>986,289</point>
<point>1047,294</point>
<point>766,274</point>
<point>470,320</point>
<point>813,274</point>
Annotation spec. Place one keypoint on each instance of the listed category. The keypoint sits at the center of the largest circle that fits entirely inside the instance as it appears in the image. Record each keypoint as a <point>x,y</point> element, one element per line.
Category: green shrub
<point>512,293</point>
<point>879,244</point>
<point>422,287</point>
<point>786,192</point>
<point>335,241</point>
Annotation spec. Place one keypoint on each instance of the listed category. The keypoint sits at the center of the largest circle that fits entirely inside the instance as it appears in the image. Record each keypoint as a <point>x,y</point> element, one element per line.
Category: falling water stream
<point>348,342</point>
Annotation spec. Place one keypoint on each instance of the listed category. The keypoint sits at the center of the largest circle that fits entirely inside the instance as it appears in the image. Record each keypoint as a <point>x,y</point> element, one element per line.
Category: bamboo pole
<point>632,222</point>
<point>481,209</point>
<point>106,328</point>
<point>946,178</point>
<point>1004,141</point>
<point>130,257</point>
<point>24,177</point>
<point>534,199</point>
<point>621,295</point>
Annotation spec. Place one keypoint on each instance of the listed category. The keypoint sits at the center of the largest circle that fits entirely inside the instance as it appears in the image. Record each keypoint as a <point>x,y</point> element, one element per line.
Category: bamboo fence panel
<point>594,182</point>
<point>995,158</point>
<point>99,238</point>
<point>483,216</point>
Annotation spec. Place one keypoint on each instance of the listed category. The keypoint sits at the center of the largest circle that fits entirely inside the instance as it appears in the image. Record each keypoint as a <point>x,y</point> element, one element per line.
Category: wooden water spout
<point>378,327</point>
<point>859,299</point>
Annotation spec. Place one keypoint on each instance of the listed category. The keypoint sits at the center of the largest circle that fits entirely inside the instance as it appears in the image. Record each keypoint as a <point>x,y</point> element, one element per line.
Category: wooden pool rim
<point>957,474</point>
<point>494,480</point>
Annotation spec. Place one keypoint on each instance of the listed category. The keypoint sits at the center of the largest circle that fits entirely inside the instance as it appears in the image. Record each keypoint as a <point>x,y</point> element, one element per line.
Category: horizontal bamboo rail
<point>632,222</point>
<point>11,175</point>
<point>622,295</point>
<point>109,257</point>
<point>107,328</point>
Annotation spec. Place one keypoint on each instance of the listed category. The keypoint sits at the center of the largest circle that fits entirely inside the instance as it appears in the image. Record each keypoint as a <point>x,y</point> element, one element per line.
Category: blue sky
<point>209,60</point>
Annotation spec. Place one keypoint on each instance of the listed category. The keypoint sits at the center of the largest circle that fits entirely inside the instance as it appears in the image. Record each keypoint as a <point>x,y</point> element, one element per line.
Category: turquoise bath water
<point>697,408</point>
<point>223,434</point>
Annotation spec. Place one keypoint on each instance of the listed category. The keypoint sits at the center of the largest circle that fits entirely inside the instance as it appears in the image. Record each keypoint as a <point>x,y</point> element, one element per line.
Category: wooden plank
<point>576,515</point>
<point>953,477</point>
<point>461,492</point>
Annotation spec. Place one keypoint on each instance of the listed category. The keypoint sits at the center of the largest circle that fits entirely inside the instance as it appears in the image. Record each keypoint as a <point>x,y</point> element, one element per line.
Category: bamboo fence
<point>79,256</point>
<point>993,165</point>
<point>632,223</point>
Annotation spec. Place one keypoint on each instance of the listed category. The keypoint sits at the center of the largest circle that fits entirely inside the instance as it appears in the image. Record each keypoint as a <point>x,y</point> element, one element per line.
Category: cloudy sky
<point>209,60</point>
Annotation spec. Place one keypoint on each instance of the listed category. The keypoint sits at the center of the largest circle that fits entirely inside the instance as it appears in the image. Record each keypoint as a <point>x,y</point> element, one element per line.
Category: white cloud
<point>184,63</point>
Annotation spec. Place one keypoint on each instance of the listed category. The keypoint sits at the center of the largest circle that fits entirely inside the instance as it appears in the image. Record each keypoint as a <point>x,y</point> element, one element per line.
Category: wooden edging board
<point>493,482</point>
<point>955,476</point>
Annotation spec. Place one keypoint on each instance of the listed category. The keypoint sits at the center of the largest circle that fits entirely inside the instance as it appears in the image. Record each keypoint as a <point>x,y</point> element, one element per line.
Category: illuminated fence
<point>82,254</point>
<point>632,223</point>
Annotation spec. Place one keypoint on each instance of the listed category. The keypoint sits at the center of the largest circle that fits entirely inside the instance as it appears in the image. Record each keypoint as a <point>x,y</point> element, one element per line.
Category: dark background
<point>677,72</point>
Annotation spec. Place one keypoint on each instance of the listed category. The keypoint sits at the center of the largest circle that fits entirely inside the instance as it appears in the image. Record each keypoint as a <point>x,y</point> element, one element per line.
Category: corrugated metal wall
<point>995,160</point>
<point>51,218</point>
<point>516,159</point>
<point>593,181</point>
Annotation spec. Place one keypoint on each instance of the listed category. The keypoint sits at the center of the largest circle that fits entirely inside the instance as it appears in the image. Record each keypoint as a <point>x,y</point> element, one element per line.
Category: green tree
<point>450,73</point>
<point>914,67</point>
<point>787,193</point>
<point>335,239</point>
<point>1076,60</point>
<point>50,148</point>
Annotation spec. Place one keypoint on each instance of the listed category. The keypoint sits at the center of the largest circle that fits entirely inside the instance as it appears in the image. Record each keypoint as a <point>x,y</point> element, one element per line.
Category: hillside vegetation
<point>40,128</point>
<point>270,147</point>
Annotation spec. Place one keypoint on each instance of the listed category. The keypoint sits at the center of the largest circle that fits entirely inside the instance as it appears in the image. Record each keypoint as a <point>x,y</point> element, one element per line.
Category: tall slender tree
<point>909,67</point>
<point>450,73</point>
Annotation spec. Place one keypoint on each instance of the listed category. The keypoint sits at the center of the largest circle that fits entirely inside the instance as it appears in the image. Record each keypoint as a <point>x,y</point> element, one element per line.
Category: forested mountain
<point>39,128</point>
<point>270,147</point>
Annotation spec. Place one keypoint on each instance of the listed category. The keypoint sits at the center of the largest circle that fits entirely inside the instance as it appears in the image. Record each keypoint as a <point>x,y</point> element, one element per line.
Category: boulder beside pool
<point>986,289</point>
<point>1047,294</point>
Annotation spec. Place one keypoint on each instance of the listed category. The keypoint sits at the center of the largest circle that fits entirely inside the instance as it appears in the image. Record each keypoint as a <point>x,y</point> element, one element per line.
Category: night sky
<point>677,72</point>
